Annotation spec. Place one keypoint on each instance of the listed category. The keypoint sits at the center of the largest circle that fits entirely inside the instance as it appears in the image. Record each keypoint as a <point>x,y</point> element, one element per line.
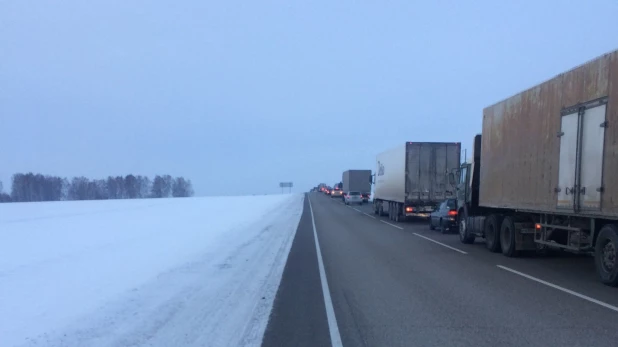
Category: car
<point>365,197</point>
<point>352,198</point>
<point>336,193</point>
<point>444,217</point>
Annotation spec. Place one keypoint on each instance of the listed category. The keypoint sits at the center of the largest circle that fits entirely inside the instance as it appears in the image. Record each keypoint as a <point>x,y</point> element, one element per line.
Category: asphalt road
<point>393,285</point>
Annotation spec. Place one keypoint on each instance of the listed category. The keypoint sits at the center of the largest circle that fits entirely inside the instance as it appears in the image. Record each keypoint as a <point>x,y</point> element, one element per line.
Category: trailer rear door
<point>593,136</point>
<point>428,164</point>
<point>582,137</point>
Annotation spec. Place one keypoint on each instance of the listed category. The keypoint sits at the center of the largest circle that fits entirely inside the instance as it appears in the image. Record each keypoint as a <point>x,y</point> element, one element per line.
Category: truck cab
<point>466,181</point>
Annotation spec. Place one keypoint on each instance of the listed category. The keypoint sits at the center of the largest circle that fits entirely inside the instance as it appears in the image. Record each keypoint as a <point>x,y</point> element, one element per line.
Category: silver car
<point>353,198</point>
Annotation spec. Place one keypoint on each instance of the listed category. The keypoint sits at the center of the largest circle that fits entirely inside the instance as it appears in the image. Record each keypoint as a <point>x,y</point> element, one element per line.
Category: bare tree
<point>3,196</point>
<point>167,186</point>
<point>157,187</point>
<point>112,188</point>
<point>122,193</point>
<point>181,188</point>
<point>131,187</point>
<point>143,183</point>
<point>78,189</point>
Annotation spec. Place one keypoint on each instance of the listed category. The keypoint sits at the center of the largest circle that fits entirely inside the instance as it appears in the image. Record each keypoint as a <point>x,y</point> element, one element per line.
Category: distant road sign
<point>286,185</point>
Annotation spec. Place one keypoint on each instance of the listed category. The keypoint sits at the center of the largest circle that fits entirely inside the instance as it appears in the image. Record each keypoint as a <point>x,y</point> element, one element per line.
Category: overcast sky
<point>240,95</point>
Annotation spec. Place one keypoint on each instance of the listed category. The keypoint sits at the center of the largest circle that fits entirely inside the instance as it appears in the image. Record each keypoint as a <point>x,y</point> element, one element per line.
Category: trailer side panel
<point>522,135</point>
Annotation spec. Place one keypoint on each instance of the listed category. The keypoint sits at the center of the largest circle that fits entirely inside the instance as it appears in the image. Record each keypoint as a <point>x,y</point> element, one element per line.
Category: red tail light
<point>409,209</point>
<point>452,213</point>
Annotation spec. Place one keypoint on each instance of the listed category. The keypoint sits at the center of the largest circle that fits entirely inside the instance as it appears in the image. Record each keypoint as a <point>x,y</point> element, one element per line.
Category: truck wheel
<point>507,237</point>
<point>391,215</point>
<point>431,227</point>
<point>492,233</point>
<point>464,234</point>
<point>605,255</point>
<point>375,208</point>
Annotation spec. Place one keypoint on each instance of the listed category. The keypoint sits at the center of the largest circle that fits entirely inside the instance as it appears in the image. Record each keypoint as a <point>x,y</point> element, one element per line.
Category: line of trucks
<point>543,172</point>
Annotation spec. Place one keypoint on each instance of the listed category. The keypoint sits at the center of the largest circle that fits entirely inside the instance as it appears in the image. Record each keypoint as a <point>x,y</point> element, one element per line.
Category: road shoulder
<point>298,317</point>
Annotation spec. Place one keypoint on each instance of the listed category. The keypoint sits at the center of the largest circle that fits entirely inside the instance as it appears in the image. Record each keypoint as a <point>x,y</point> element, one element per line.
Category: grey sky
<point>240,95</point>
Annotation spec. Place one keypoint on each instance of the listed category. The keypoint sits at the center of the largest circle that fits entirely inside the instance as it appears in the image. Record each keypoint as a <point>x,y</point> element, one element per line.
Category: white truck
<point>411,179</point>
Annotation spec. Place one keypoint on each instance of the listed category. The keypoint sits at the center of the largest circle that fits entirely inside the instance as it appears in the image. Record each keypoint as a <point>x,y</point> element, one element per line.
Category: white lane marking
<point>440,243</point>
<point>335,338</point>
<point>393,225</point>
<point>581,296</point>
<point>368,215</point>
<point>357,210</point>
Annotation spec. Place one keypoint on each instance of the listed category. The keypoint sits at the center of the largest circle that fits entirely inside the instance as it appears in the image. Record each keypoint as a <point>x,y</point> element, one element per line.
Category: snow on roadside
<point>160,272</point>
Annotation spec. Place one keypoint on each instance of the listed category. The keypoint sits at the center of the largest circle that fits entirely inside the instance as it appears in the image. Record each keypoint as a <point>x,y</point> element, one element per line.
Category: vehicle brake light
<point>409,209</point>
<point>452,213</point>
<point>537,226</point>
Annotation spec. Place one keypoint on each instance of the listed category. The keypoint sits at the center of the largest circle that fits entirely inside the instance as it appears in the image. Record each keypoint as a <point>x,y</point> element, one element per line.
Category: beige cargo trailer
<point>545,169</point>
<point>554,147</point>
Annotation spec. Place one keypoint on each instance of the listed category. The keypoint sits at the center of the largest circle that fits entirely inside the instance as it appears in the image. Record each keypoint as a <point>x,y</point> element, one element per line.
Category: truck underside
<point>514,232</point>
<point>399,212</point>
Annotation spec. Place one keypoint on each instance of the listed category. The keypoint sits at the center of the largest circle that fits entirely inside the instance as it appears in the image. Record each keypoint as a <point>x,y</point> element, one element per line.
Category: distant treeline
<point>37,187</point>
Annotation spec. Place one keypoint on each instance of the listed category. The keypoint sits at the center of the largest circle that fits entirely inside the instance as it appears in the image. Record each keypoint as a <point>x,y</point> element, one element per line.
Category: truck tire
<point>464,231</point>
<point>492,232</point>
<point>507,237</point>
<point>381,210</point>
<point>375,208</point>
<point>431,227</point>
<point>390,211</point>
<point>605,255</point>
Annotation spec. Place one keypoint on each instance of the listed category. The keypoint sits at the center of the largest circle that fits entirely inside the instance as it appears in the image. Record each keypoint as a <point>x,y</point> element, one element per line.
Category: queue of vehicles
<point>354,188</point>
<point>542,174</point>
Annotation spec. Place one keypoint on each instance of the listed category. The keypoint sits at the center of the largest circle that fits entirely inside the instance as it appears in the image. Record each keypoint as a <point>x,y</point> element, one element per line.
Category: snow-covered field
<point>156,272</point>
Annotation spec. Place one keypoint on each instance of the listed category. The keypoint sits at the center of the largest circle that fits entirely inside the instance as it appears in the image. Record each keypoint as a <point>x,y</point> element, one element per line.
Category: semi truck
<point>357,181</point>
<point>411,179</point>
<point>543,173</point>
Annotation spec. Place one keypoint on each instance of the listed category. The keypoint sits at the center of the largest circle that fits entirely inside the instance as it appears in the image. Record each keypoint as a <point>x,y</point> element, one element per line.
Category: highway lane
<point>391,287</point>
<point>575,272</point>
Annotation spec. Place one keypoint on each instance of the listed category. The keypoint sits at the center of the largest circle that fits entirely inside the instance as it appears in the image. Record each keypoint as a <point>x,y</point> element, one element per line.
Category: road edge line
<point>333,328</point>
<point>393,225</point>
<point>555,286</point>
<point>441,244</point>
<point>368,215</point>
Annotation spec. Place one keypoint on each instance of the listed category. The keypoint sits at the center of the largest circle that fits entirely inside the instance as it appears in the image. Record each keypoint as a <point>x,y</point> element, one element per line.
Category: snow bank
<point>161,272</point>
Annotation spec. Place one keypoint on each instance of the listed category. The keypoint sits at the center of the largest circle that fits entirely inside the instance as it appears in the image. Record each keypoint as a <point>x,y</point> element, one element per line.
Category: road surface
<point>404,285</point>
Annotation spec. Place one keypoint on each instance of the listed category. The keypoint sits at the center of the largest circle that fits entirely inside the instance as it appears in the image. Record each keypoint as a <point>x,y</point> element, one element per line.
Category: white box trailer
<point>412,179</point>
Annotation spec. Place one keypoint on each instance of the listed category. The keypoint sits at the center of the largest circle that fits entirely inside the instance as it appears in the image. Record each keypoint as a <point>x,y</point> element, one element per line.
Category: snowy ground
<point>160,272</point>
